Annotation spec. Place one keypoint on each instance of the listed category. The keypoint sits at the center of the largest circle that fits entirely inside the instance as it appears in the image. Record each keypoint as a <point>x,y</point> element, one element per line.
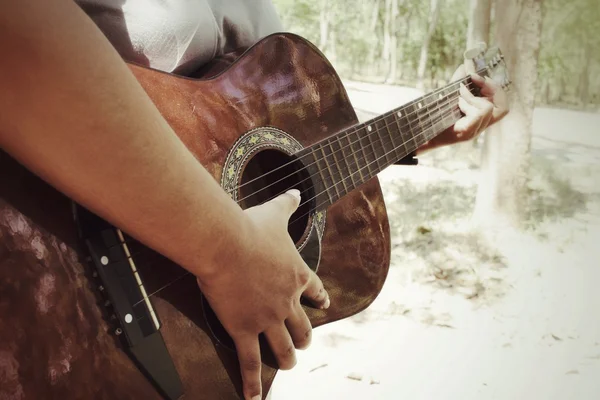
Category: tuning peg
<point>506,83</point>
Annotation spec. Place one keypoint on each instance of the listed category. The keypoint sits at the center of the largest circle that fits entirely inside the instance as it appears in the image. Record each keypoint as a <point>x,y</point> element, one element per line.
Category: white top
<point>180,36</point>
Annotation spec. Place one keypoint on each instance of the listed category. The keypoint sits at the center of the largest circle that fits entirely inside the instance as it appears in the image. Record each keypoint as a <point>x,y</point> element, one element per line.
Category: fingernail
<point>327,303</point>
<point>295,193</point>
<point>257,397</point>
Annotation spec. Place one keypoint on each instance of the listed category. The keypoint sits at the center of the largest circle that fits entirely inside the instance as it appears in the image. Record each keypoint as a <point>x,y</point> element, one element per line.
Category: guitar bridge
<point>139,327</point>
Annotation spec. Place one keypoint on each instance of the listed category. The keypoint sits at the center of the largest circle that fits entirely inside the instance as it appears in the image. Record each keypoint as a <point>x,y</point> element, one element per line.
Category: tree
<point>480,12</point>
<point>434,14</point>
<point>323,24</point>
<point>505,157</point>
<point>392,58</point>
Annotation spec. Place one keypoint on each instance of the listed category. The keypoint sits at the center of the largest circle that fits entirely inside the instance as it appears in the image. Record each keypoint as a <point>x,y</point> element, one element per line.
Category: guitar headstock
<point>492,61</point>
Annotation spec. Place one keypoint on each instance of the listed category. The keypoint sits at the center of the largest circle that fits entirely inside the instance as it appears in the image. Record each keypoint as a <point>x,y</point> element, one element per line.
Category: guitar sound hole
<point>270,173</point>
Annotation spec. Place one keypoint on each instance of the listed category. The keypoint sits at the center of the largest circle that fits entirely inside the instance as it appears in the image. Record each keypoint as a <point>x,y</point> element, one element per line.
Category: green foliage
<point>355,42</point>
<point>569,63</point>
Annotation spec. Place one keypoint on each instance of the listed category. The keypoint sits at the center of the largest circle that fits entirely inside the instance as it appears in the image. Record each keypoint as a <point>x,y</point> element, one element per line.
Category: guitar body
<point>56,338</point>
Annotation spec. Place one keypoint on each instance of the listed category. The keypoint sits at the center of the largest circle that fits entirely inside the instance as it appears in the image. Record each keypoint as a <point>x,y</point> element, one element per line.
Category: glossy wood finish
<point>56,343</point>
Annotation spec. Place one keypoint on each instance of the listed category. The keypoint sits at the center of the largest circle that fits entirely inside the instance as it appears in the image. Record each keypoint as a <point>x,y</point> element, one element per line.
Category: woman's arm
<point>73,113</point>
<point>479,112</point>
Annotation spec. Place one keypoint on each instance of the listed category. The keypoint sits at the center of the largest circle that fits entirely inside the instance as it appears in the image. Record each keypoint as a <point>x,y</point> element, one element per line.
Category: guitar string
<point>377,139</point>
<point>374,121</point>
<point>454,110</point>
<point>438,91</point>
<point>377,119</point>
<point>420,125</point>
<point>145,250</point>
<point>189,273</point>
<point>374,133</point>
<point>360,126</point>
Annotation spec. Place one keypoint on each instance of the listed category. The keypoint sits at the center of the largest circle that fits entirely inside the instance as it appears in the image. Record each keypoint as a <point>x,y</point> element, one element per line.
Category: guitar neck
<point>353,156</point>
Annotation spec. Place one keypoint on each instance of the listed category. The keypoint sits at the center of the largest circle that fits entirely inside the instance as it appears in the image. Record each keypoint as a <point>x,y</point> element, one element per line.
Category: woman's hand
<point>258,289</point>
<point>479,112</point>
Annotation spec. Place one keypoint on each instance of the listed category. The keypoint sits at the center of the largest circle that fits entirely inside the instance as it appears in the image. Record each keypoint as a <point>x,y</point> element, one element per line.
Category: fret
<point>452,90</point>
<point>426,124</point>
<point>446,106</point>
<point>399,118</point>
<point>328,164</point>
<point>390,122</point>
<point>356,148</point>
<point>365,142</point>
<point>375,156</point>
<point>336,151</point>
<point>412,125</point>
<point>350,158</point>
<point>384,140</point>
<point>324,173</point>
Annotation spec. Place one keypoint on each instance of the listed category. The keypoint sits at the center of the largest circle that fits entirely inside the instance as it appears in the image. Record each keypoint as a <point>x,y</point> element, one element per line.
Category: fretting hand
<point>479,112</point>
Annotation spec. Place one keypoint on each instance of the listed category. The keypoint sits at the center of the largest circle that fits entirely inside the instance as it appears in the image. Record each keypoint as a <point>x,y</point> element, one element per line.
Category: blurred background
<point>493,290</point>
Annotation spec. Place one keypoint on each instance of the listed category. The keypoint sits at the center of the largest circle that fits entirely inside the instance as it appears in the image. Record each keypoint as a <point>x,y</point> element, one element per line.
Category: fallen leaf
<point>354,376</point>
<point>319,367</point>
<point>572,372</point>
<point>422,230</point>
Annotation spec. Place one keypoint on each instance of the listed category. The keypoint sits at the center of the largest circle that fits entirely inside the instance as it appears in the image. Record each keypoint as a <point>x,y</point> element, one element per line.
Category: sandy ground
<point>458,317</point>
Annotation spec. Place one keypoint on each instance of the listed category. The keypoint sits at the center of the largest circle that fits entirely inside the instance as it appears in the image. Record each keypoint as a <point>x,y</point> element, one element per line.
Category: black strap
<point>408,160</point>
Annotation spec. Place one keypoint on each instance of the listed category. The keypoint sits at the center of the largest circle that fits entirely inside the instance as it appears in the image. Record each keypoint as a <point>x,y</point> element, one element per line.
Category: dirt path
<point>459,318</point>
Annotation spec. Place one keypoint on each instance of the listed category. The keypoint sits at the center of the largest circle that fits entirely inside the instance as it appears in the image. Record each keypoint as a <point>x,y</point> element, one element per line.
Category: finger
<point>248,351</point>
<point>467,95</point>
<point>300,328</point>
<point>477,79</point>
<point>288,201</point>
<point>468,126</point>
<point>282,345</point>
<point>470,103</point>
<point>483,106</point>
<point>488,87</point>
<point>315,292</point>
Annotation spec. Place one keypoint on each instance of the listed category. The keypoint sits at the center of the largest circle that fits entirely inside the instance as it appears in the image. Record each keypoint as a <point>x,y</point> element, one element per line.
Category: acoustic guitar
<point>87,312</point>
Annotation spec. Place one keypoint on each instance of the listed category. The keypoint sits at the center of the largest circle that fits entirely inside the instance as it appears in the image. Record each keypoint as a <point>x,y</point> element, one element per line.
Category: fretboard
<point>351,157</point>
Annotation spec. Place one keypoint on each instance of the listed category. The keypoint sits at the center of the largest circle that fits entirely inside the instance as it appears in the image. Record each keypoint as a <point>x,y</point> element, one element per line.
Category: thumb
<point>469,66</point>
<point>288,201</point>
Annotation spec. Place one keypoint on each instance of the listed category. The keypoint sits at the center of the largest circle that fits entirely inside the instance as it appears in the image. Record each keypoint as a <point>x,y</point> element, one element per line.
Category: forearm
<point>72,112</point>
<point>438,141</point>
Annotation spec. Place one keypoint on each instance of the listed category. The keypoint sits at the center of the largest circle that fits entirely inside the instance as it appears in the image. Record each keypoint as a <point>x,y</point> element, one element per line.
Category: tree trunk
<point>584,78</point>
<point>374,20</point>
<point>387,38</point>
<point>324,25</point>
<point>501,194</point>
<point>434,14</point>
<point>393,59</point>
<point>408,20</point>
<point>479,22</point>
<point>480,13</point>
<point>332,47</point>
